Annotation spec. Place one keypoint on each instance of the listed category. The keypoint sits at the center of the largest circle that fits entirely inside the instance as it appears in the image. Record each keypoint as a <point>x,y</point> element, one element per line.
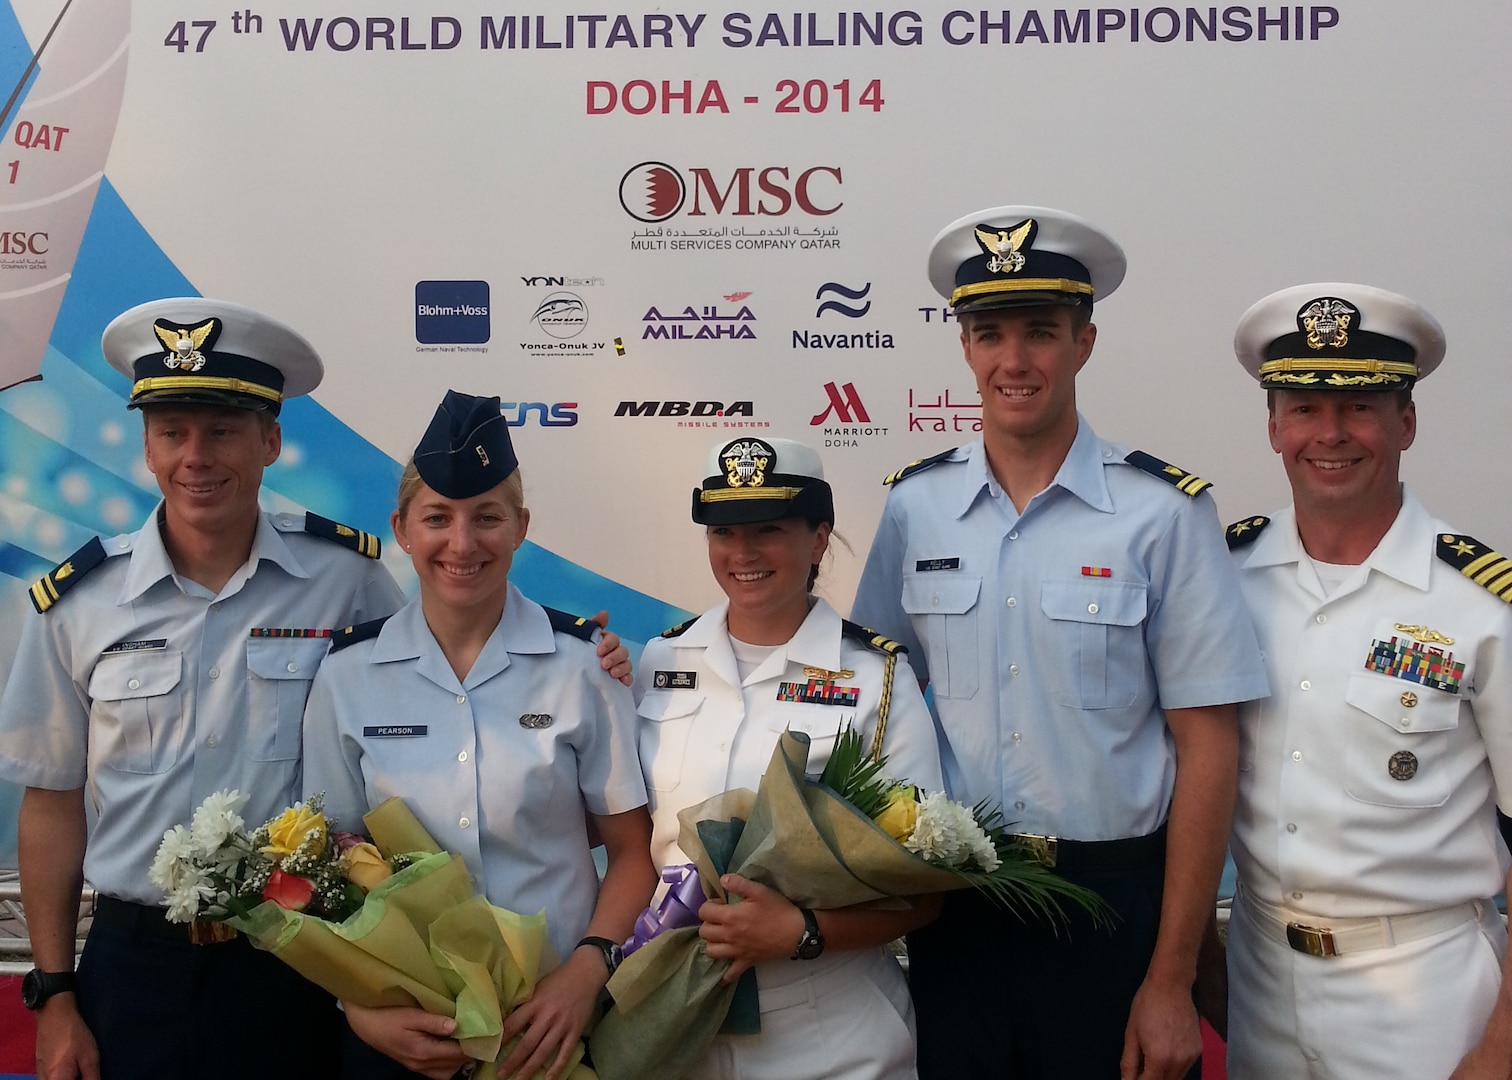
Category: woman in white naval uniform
<point>491,717</point>
<point>713,696</point>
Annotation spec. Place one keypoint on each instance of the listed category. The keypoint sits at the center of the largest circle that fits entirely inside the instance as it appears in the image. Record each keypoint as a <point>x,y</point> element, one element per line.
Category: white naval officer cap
<point>1333,335</point>
<point>197,351</point>
<point>1022,256</point>
<point>752,479</point>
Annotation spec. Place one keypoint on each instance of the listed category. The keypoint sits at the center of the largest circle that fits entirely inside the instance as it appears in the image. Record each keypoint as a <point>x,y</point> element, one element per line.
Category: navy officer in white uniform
<point>1072,606</point>
<point>714,695</point>
<point>1364,943</point>
<point>489,715</point>
<point>161,666</point>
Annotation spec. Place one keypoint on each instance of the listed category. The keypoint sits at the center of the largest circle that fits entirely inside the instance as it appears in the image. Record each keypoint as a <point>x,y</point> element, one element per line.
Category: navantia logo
<point>844,405</point>
<point>655,191</point>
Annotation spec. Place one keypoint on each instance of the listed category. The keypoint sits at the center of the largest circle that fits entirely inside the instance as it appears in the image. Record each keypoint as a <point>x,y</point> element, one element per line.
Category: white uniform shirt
<point>1322,827</point>
<point>1053,639</point>
<point>702,732</point>
<point>155,693</point>
<point>501,768</point>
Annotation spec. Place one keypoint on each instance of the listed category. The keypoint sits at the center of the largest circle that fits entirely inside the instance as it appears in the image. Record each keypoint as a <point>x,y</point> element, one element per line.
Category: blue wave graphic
<point>850,294</point>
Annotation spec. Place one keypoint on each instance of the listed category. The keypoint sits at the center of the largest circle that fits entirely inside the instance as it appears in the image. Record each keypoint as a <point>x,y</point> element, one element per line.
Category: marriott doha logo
<point>844,419</point>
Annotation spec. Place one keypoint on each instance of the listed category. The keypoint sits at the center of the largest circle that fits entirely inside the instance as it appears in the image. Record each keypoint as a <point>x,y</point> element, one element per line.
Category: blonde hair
<point>410,485</point>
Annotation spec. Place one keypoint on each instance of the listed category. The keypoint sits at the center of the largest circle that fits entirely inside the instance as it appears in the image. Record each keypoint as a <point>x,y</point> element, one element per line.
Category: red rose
<point>345,840</point>
<point>289,890</point>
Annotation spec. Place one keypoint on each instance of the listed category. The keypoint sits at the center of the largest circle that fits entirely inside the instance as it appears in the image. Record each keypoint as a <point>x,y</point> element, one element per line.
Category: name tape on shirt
<point>923,565</point>
<point>395,731</point>
<point>675,680</point>
<point>137,646</point>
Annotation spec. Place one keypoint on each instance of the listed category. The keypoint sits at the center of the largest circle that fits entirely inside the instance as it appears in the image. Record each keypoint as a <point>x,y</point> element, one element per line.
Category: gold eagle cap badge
<point>1004,245</point>
<point>746,462</point>
<point>1326,322</point>
<point>184,343</point>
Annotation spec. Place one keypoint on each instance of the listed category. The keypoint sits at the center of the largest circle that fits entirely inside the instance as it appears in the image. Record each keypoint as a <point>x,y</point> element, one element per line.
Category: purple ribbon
<point>677,909</point>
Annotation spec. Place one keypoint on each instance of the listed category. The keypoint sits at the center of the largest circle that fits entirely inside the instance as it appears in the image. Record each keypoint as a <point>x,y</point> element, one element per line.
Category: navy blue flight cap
<point>466,450</point>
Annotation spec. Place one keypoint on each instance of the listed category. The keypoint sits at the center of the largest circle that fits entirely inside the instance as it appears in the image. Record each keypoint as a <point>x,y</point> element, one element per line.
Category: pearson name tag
<point>395,731</point>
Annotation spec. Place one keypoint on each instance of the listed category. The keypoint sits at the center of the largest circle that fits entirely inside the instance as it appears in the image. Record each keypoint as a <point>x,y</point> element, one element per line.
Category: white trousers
<point>1410,1011</point>
<point>841,1017</point>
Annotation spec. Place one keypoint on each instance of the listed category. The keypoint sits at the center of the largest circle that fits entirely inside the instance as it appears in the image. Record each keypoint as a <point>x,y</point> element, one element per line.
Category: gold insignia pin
<point>1003,246</point>
<point>1327,322</point>
<point>1423,634</point>
<point>482,455</point>
<point>66,570</point>
<point>342,530</point>
<point>1402,765</point>
<point>1409,699</point>
<point>1174,471</point>
<point>825,673</point>
<point>184,344</point>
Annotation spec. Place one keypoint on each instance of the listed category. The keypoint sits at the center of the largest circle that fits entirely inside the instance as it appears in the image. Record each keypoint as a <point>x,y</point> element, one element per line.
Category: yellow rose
<point>363,866</point>
<point>288,830</point>
<point>898,817</point>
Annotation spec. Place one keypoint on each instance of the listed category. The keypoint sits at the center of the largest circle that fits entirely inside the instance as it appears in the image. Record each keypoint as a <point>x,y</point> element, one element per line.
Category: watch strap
<point>39,985</point>
<point>611,950</point>
<point>811,944</point>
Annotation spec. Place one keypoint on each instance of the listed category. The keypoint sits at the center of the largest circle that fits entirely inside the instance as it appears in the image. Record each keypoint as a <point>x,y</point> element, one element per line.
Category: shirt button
<point>935,600</point>
<point>1405,722</point>
<point>1013,535</point>
<point>461,699</point>
<point>215,673</point>
<point>1322,619</point>
<point>1013,601</point>
<point>134,684</point>
<point>1019,805</point>
<point>464,822</point>
<point>1291,826</point>
<point>1296,896</point>
<point>293,667</point>
<point>1296,755</point>
<point>1018,736</point>
<point>1013,670</point>
<point>212,742</point>
<point>123,543</point>
<point>1305,684</point>
<point>462,756</point>
<point>1091,609</point>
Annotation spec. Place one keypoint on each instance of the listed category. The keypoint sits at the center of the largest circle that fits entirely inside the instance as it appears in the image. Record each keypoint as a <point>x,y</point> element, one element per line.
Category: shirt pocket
<point>666,721</point>
<point>1401,755</point>
<point>821,723</point>
<point>279,672</point>
<point>944,610</point>
<point>1099,636</point>
<point>139,707</point>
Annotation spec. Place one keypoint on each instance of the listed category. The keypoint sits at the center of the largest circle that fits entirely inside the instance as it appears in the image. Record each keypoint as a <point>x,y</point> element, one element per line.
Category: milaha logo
<point>708,323</point>
<point>654,191</point>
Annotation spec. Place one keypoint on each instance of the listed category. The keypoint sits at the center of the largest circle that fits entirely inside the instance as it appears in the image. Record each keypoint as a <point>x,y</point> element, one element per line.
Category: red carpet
<point>17,1030</point>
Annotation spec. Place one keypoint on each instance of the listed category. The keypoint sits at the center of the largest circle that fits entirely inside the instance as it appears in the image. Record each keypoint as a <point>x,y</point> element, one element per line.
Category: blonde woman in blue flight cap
<point>522,744</point>
<point>713,696</point>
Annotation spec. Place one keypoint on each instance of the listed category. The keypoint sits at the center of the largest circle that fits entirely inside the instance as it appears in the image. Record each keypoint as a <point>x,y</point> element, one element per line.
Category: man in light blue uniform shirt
<point>1071,604</point>
<point>162,666</point>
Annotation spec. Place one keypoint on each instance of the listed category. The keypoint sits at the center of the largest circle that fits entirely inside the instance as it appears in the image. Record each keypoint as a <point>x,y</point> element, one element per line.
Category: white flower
<point>943,831</point>
<point>215,822</point>
<point>172,860</point>
<point>984,851</point>
<point>192,890</point>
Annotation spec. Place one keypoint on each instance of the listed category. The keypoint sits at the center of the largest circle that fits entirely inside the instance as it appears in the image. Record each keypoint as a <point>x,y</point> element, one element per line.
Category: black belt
<point>152,922</point>
<point>1127,854</point>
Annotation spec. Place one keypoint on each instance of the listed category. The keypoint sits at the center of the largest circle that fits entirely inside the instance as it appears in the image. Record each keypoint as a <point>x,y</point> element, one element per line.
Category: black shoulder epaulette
<point>1244,531</point>
<point>870,638</point>
<point>52,585</point>
<point>917,467</point>
<point>1183,481</point>
<point>564,623</point>
<point>1477,562</point>
<point>679,628</point>
<point>353,634</point>
<point>360,542</point>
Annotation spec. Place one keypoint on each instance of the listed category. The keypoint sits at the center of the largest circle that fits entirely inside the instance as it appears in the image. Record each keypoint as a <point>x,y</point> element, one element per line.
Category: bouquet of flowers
<point>389,922</point>
<point>853,836</point>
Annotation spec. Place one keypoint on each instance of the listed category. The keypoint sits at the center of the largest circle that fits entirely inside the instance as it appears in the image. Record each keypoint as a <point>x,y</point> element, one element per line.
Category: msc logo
<point>845,406</point>
<point>654,191</point>
<point>836,306</point>
<point>23,243</point>
<point>683,408</point>
<point>561,414</point>
<point>451,312</point>
<point>562,315</point>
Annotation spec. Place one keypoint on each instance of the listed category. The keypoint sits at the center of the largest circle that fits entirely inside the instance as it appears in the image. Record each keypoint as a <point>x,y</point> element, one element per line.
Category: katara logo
<point>699,324</point>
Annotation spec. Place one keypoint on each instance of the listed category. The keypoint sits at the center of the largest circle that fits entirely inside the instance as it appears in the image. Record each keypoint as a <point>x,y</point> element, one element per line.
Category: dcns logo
<point>655,191</point>
<point>518,413</point>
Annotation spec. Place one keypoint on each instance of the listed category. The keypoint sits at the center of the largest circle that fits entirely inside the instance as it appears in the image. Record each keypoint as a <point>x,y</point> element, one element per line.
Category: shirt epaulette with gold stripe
<point>563,623</point>
<point>916,467</point>
<point>870,638</point>
<point>353,634</point>
<point>1244,531</point>
<point>1183,481</point>
<point>680,628</point>
<point>1487,568</point>
<point>360,542</point>
<point>52,585</point>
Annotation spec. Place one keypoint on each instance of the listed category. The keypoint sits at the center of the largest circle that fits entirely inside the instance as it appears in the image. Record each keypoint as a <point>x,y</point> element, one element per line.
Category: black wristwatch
<point>811,944</point>
<point>37,986</point>
<point>613,954</point>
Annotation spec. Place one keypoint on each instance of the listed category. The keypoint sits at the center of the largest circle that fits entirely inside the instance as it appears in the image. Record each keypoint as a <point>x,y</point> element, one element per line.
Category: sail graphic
<point>57,136</point>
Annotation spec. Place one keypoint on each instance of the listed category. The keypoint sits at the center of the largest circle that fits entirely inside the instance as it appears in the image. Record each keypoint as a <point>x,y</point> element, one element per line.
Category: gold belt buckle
<point>209,932</point>
<point>1312,940</point>
<point>1042,849</point>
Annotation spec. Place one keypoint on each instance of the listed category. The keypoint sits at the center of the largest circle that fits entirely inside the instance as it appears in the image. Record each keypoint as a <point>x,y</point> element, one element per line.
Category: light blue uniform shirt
<point>501,767</point>
<point>1053,639</point>
<point>155,693</point>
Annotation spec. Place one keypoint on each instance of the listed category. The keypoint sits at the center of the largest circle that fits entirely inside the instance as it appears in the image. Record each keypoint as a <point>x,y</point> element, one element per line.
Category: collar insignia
<point>1003,245</point>
<point>746,463</point>
<point>66,570</point>
<point>1326,322</point>
<point>535,721</point>
<point>184,343</point>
